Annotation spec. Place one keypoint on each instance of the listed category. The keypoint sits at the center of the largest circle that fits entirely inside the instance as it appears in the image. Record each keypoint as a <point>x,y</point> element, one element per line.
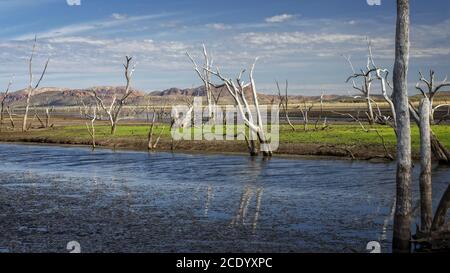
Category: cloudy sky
<point>299,40</point>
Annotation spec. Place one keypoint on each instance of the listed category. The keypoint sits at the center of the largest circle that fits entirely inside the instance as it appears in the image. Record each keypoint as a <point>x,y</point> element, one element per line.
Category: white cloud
<point>430,52</point>
<point>119,16</point>
<point>298,38</point>
<point>218,26</point>
<point>76,40</point>
<point>96,49</point>
<point>279,18</point>
<point>90,26</point>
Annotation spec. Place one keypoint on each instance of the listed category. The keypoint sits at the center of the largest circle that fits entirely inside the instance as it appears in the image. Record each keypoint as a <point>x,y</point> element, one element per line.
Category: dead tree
<point>402,219</point>
<point>91,127</point>
<point>446,116</point>
<point>90,113</point>
<point>436,238</point>
<point>319,118</point>
<point>432,90</point>
<point>205,76</point>
<point>384,83</point>
<point>36,115</point>
<point>441,212</point>
<point>382,75</point>
<point>114,109</point>
<point>255,124</point>
<point>31,88</point>
<point>5,95</point>
<point>305,110</point>
<point>438,149</point>
<point>426,210</point>
<point>365,86</point>
<point>150,144</point>
<point>48,112</point>
<point>11,120</point>
<point>284,103</point>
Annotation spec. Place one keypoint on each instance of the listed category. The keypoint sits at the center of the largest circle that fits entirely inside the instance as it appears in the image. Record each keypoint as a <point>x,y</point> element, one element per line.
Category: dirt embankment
<point>360,152</point>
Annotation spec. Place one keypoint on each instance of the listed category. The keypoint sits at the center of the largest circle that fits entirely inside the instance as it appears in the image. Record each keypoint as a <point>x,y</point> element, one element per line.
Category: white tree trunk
<point>426,210</point>
<point>402,219</point>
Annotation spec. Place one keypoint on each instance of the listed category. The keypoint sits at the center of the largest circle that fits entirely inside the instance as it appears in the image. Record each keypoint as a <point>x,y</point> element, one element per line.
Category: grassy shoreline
<point>339,140</point>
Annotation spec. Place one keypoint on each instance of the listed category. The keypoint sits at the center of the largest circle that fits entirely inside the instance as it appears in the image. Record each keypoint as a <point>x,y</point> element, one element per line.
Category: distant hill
<point>55,96</point>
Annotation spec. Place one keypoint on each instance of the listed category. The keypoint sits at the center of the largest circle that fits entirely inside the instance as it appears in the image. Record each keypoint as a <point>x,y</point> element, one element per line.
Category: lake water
<point>138,202</point>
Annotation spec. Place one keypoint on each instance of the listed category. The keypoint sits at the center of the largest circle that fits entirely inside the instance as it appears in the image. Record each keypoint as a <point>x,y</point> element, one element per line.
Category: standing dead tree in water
<point>441,212</point>
<point>31,88</point>
<point>2,105</point>
<point>432,90</point>
<point>432,233</point>
<point>439,151</point>
<point>205,76</point>
<point>426,210</point>
<point>284,103</point>
<point>255,124</point>
<point>402,218</point>
<point>114,109</point>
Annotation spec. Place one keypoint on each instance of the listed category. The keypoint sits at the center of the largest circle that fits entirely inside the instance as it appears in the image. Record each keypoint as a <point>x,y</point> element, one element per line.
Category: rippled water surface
<point>138,202</point>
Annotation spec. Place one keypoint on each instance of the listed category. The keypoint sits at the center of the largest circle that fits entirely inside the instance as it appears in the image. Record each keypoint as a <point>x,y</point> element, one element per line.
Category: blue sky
<point>298,40</point>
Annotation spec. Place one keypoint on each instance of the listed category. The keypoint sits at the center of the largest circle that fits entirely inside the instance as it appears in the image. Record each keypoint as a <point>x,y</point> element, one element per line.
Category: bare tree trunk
<point>431,110</point>
<point>150,133</point>
<point>402,220</point>
<point>3,103</point>
<point>39,118</point>
<point>25,115</point>
<point>48,117</point>
<point>438,150</point>
<point>370,110</point>
<point>31,88</point>
<point>11,120</point>
<point>237,91</point>
<point>113,128</point>
<point>441,212</point>
<point>115,108</point>
<point>205,76</point>
<point>305,114</point>
<point>264,145</point>
<point>426,210</point>
<point>91,128</point>
<point>284,103</point>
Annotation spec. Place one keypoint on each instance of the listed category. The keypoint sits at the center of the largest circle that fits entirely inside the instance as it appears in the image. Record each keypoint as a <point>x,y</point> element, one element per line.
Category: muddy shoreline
<point>290,150</point>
